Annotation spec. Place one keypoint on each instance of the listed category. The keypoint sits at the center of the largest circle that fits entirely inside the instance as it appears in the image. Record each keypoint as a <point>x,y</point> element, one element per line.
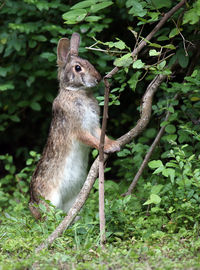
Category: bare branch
<point>105,51</point>
<point>146,159</point>
<point>101,165</point>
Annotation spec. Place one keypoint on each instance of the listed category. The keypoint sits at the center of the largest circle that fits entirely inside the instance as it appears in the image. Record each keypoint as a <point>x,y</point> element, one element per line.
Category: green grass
<point>79,247</point>
<point>172,252</point>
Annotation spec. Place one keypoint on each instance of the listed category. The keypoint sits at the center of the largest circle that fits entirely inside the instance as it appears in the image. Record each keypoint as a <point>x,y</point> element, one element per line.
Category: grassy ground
<point>138,237</point>
<point>78,248</point>
<point>172,253</point>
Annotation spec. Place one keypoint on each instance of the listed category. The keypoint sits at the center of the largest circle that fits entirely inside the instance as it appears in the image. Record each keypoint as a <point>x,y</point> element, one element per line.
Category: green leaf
<point>42,5</point>
<point>138,64</point>
<point>15,118</point>
<point>42,207</point>
<point>120,45</point>
<point>83,4</point>
<point>171,137</point>
<point>35,106</point>
<point>92,18</point>
<point>161,65</point>
<point>169,172</point>
<point>33,153</point>
<point>29,161</point>
<point>159,170</point>
<point>153,53</point>
<point>150,133</point>
<point>125,152</point>
<point>23,103</point>
<point>156,189</point>
<point>30,80</point>
<point>192,16</point>
<point>182,58</point>
<point>124,61</point>
<point>94,153</point>
<point>99,6</point>
<point>4,71</point>
<point>76,15</point>
<point>169,46</point>
<point>6,86</point>
<point>174,32</point>
<point>50,56</point>
<point>153,44</point>
<point>39,38</point>
<point>136,8</point>
<point>134,80</point>
<point>170,129</point>
<point>154,198</point>
<point>164,123</point>
<point>160,4</point>
<point>170,109</point>
<point>32,43</point>
<point>155,164</point>
<point>162,38</point>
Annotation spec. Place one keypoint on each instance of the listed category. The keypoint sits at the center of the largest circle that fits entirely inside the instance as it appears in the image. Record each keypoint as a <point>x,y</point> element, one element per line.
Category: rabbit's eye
<point>78,68</point>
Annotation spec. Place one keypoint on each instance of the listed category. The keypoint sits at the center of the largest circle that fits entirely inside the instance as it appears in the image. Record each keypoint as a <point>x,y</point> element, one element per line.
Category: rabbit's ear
<point>74,43</point>
<point>62,51</point>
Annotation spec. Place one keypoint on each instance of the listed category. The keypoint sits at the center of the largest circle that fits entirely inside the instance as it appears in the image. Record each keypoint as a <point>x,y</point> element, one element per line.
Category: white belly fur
<point>72,176</point>
<point>73,172</point>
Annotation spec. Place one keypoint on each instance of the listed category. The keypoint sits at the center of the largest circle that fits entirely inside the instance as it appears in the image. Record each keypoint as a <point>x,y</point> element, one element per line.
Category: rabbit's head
<point>74,73</point>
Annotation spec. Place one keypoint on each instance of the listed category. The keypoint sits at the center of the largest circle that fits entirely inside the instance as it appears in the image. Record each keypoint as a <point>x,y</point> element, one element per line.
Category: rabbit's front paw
<point>112,147</point>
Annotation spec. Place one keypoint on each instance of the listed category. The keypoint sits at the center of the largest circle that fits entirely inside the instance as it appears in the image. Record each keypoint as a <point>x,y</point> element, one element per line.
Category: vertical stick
<point>101,165</point>
<point>101,204</point>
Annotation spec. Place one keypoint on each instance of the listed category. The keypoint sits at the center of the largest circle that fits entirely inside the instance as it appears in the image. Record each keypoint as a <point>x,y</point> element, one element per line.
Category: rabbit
<point>74,129</point>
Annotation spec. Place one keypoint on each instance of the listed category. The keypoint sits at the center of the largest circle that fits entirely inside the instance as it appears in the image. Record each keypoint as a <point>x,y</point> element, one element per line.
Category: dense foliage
<point>166,198</point>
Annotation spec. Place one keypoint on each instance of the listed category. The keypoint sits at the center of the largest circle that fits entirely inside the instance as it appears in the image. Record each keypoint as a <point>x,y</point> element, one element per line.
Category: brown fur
<point>75,121</point>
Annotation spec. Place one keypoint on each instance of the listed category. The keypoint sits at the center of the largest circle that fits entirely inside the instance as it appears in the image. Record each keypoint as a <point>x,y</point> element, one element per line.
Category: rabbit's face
<point>78,74</point>
<point>74,73</point>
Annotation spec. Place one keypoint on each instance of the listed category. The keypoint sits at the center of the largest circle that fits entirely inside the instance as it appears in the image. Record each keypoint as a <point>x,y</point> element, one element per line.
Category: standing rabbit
<point>62,169</point>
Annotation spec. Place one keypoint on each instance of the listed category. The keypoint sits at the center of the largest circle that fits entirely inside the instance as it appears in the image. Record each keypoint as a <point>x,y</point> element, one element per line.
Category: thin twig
<point>1,6</point>
<point>163,59</point>
<point>146,159</point>
<point>183,38</point>
<point>105,51</point>
<point>101,165</point>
